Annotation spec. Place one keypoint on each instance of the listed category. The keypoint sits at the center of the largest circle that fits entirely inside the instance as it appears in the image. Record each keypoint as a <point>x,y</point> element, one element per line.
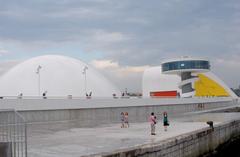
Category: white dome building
<point>59,76</point>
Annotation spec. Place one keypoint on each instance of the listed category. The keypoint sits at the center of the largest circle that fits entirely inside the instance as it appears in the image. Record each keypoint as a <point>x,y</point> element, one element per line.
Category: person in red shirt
<point>126,120</point>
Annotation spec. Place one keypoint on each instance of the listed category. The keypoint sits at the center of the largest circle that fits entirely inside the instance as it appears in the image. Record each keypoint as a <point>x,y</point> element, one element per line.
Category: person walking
<point>126,120</point>
<point>165,121</point>
<point>153,122</point>
<point>122,119</point>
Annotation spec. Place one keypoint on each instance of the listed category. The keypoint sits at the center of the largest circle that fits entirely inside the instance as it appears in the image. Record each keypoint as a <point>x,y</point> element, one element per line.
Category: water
<point>230,149</point>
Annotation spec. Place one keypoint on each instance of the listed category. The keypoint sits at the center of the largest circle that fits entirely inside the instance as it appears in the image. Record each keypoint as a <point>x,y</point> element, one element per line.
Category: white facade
<point>154,80</point>
<point>59,76</point>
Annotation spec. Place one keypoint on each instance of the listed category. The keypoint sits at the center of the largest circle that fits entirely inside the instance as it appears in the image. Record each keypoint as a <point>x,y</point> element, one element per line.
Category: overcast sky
<point>123,37</point>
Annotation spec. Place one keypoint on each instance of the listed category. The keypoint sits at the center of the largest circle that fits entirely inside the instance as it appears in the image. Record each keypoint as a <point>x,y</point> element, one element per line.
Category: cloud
<point>126,33</point>
<point>3,51</point>
<point>227,69</point>
<point>108,37</point>
<point>145,32</point>
<point>111,65</point>
<point>105,64</point>
<point>123,76</point>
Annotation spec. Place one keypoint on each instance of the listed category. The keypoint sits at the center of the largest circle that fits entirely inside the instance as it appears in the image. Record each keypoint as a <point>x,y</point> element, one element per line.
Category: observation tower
<point>188,69</point>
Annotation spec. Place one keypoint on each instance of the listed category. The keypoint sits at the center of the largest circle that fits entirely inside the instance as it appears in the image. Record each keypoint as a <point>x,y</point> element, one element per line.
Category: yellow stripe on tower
<point>205,86</point>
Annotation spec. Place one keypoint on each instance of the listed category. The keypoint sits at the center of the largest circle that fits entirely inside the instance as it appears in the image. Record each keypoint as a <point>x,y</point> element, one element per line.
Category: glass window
<point>178,65</point>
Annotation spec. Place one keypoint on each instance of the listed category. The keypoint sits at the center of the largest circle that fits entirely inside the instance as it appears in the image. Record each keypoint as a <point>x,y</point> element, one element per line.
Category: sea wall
<point>192,144</point>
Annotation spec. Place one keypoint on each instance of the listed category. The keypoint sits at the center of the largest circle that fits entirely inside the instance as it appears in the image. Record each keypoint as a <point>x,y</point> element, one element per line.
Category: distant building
<point>184,77</point>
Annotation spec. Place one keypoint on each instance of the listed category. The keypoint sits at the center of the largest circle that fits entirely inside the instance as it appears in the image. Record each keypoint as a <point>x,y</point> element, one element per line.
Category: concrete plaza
<point>75,142</point>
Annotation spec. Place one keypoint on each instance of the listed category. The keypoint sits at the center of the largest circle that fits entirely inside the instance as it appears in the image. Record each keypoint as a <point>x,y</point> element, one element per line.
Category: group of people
<point>153,122</point>
<point>124,120</point>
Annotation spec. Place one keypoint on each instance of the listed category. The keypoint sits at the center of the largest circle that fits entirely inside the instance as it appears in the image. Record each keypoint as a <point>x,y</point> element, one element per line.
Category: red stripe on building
<point>164,94</point>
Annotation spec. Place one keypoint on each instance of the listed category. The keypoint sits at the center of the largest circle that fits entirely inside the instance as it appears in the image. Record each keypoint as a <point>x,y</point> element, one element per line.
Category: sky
<point>121,38</point>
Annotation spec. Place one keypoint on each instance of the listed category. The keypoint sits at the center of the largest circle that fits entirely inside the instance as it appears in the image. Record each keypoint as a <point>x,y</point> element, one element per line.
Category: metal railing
<point>13,133</point>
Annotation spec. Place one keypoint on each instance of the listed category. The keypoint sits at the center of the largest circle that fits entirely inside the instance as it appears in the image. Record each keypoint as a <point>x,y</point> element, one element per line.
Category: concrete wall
<point>52,103</point>
<point>103,111</point>
<point>192,144</point>
<point>92,112</point>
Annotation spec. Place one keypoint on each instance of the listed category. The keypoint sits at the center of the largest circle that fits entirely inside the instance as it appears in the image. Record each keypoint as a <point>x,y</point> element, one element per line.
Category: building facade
<point>184,77</point>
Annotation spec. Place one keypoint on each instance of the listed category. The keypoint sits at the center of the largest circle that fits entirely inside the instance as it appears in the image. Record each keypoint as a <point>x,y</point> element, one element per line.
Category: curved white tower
<point>187,68</point>
<point>58,75</point>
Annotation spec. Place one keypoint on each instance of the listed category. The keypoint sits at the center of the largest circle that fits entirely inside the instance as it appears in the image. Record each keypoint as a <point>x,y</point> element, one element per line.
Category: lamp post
<point>85,78</point>
<point>38,73</point>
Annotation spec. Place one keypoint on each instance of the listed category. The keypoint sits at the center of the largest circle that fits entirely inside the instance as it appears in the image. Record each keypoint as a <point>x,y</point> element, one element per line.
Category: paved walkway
<point>75,142</point>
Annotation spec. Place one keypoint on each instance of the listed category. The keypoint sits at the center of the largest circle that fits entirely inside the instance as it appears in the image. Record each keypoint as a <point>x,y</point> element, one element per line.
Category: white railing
<point>96,97</point>
<point>65,97</point>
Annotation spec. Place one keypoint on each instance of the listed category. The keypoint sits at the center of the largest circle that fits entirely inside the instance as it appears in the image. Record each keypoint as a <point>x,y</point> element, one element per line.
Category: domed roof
<point>59,76</point>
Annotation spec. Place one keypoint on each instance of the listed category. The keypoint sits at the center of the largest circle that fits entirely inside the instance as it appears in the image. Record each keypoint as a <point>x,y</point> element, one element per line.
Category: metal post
<point>85,78</point>
<point>85,82</point>
<point>39,83</point>
<point>38,73</point>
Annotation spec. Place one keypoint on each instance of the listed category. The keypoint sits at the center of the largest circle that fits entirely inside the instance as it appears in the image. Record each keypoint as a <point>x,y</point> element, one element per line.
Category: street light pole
<point>38,73</point>
<point>85,78</point>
